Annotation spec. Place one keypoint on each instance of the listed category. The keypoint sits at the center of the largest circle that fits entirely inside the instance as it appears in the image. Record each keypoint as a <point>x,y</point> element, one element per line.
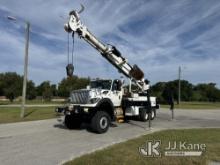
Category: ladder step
<point>120,116</point>
<point>120,121</point>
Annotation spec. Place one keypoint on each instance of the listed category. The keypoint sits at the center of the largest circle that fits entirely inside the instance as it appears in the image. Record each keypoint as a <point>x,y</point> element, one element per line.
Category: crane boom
<point>109,52</point>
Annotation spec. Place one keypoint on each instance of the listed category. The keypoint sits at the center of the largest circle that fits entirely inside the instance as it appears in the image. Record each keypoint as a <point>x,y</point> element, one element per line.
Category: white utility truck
<point>106,100</point>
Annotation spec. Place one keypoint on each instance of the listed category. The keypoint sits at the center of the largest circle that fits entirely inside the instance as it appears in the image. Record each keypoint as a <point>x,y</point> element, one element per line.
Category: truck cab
<point>97,90</point>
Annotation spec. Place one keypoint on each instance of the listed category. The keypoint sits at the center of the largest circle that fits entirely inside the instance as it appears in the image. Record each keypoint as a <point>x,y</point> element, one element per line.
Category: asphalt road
<point>48,142</point>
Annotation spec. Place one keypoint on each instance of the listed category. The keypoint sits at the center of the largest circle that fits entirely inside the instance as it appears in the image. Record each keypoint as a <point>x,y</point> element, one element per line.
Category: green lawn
<point>8,115</point>
<point>127,152</point>
<point>195,105</point>
<point>31,102</point>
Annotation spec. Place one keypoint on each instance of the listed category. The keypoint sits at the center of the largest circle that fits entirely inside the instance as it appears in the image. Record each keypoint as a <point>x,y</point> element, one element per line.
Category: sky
<point>157,35</point>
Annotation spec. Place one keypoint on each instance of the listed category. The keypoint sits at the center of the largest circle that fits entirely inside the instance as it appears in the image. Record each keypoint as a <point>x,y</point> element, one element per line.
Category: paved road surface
<point>48,142</point>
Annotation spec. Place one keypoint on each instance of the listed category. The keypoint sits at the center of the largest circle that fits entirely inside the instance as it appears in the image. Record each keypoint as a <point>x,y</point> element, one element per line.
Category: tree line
<point>189,92</point>
<point>11,86</point>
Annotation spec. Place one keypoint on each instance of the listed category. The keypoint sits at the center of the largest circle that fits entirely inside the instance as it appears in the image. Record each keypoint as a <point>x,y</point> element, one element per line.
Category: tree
<point>31,90</point>
<point>157,90</point>
<point>45,90</point>
<point>71,83</point>
<point>9,93</point>
<point>1,84</point>
<point>162,90</point>
<point>47,94</point>
<point>208,92</point>
<point>11,85</point>
<point>196,96</point>
<point>186,89</point>
<point>54,89</point>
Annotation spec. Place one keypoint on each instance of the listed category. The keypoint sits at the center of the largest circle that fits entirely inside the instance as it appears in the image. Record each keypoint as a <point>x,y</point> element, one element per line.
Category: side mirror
<point>120,83</point>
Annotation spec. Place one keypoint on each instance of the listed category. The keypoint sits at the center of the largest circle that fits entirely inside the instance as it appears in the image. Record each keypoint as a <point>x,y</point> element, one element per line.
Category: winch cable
<point>70,67</point>
<point>73,46</point>
<point>68,48</point>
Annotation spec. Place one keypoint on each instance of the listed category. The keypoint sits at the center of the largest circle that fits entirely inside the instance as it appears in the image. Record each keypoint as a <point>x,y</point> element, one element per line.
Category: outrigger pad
<point>137,73</point>
<point>69,70</point>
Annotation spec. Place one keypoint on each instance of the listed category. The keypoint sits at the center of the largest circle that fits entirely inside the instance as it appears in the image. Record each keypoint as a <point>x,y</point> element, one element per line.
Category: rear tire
<point>153,114</point>
<point>72,121</point>
<point>100,122</point>
<point>143,115</point>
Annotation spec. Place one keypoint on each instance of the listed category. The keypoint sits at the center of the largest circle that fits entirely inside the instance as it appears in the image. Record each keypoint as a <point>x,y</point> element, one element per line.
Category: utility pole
<point>27,32</point>
<point>179,85</point>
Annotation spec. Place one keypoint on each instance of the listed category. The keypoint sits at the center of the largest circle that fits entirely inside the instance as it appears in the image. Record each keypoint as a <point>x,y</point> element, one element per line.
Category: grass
<point>195,105</point>
<point>8,115</point>
<point>127,152</point>
<point>31,102</point>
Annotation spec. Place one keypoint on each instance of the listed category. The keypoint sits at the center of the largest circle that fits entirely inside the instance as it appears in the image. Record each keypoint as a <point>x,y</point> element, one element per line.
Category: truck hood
<point>84,96</point>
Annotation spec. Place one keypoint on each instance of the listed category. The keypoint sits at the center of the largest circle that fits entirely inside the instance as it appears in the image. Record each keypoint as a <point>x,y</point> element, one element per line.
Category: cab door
<point>116,93</point>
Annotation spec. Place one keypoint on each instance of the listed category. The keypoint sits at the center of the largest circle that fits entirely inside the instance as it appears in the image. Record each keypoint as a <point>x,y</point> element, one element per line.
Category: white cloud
<point>159,45</point>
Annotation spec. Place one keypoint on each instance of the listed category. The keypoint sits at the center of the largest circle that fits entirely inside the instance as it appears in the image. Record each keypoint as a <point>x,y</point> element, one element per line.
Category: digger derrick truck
<point>105,100</point>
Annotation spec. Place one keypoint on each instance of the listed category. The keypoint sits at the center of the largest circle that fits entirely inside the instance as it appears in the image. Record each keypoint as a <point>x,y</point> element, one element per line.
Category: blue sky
<point>157,35</point>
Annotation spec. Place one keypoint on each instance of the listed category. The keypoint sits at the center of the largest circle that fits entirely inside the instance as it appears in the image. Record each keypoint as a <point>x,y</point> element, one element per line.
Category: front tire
<point>72,121</point>
<point>100,122</point>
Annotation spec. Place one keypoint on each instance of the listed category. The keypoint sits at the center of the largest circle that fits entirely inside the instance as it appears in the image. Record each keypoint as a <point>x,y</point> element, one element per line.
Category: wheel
<point>143,115</point>
<point>72,121</point>
<point>100,122</point>
<point>153,114</point>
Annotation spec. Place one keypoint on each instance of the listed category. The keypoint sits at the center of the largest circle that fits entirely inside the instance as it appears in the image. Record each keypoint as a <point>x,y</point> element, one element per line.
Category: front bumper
<point>60,109</point>
<point>75,109</point>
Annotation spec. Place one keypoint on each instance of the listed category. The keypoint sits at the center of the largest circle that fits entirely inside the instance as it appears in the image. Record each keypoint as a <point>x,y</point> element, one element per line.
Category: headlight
<point>94,100</point>
<point>70,107</point>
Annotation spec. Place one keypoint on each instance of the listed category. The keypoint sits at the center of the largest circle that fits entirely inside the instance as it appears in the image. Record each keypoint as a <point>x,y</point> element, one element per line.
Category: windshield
<point>102,84</point>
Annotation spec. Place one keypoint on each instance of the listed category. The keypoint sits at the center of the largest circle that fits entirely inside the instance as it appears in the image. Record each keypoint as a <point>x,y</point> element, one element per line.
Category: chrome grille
<point>79,96</point>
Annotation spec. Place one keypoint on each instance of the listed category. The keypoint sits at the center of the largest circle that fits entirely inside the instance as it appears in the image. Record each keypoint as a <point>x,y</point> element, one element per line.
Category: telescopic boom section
<point>109,52</point>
